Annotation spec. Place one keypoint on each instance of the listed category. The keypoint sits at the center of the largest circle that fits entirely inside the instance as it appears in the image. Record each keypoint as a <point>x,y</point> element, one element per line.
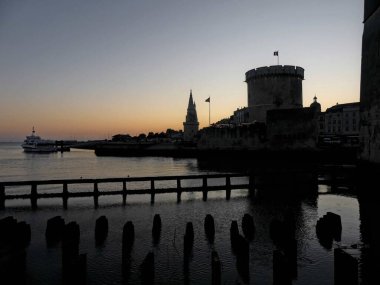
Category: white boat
<point>34,143</point>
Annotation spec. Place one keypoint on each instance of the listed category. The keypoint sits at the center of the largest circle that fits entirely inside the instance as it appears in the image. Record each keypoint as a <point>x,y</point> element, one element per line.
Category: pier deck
<point>34,195</point>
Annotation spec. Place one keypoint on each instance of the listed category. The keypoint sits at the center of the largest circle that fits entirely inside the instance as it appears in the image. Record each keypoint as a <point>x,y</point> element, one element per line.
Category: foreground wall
<point>251,137</point>
<point>370,84</point>
<point>292,129</point>
<point>286,129</point>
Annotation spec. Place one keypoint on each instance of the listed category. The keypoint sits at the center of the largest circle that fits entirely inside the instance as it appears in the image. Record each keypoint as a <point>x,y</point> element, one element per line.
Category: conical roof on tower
<point>191,116</point>
<point>191,125</point>
<point>191,101</point>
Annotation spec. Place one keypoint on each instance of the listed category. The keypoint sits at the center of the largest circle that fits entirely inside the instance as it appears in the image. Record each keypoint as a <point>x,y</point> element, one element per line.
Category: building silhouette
<point>191,125</point>
<point>370,83</point>
<point>341,119</point>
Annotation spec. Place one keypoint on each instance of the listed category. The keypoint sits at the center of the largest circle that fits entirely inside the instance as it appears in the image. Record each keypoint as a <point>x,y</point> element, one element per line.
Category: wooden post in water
<point>251,184</point>
<point>65,195</point>
<point>152,192</point>
<point>33,196</point>
<point>346,267</point>
<point>179,191</point>
<point>2,197</point>
<point>96,195</point>
<point>204,188</point>
<point>228,188</point>
<point>216,269</point>
<point>124,192</point>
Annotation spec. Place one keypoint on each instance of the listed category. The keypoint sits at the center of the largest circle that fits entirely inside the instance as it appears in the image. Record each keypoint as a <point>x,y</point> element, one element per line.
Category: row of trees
<point>169,135</point>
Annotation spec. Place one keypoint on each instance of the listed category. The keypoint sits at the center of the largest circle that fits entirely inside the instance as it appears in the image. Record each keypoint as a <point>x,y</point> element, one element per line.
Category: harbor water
<point>315,263</point>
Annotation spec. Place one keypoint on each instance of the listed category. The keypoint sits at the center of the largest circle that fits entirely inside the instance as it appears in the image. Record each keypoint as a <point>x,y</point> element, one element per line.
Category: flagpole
<point>209,113</point>
<point>209,110</point>
<point>276,53</point>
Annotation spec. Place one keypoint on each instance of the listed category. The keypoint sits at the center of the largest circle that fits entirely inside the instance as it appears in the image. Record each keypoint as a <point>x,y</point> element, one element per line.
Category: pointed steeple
<point>191,102</point>
<point>191,124</point>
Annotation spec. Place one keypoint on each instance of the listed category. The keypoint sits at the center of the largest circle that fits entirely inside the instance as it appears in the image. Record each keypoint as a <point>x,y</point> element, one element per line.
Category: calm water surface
<point>315,263</point>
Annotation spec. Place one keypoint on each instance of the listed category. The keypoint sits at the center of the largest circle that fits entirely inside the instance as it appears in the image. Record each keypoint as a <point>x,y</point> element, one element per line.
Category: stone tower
<point>273,87</point>
<point>191,126</point>
<point>370,83</point>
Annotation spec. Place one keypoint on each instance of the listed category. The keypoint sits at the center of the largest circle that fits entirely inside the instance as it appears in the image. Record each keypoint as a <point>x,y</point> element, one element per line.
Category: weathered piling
<point>156,229</point>
<point>152,191</point>
<point>283,236</point>
<point>240,248</point>
<point>101,229</point>
<point>14,234</point>
<point>251,186</point>
<point>234,234</point>
<point>281,272</point>
<point>70,242</point>
<point>329,228</point>
<point>209,226</point>
<point>128,238</point>
<point>188,241</point>
<point>290,251</point>
<point>290,224</point>
<point>8,227</point>
<point>204,191</point>
<point>72,268</point>
<point>336,224</point>
<point>216,269</point>
<point>2,197</point>
<point>71,233</point>
<point>147,269</point>
<point>14,238</point>
<point>124,193</point>
<point>33,196</point>
<point>54,229</point>
<point>13,265</point>
<point>96,195</point>
<point>65,195</point>
<point>345,267</point>
<point>179,190</point>
<point>76,270</point>
<point>23,234</point>
<point>242,257</point>
<point>228,188</point>
<point>248,227</point>
<point>276,231</point>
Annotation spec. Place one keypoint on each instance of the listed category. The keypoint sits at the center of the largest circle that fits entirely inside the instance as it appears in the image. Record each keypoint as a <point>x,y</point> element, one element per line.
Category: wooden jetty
<point>34,194</point>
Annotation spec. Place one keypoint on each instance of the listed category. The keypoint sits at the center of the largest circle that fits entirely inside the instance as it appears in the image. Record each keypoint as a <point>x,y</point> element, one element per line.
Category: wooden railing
<point>34,195</point>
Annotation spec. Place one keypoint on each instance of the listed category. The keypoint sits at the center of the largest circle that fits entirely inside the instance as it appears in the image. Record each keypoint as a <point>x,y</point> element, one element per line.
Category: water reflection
<point>297,203</point>
<point>369,203</point>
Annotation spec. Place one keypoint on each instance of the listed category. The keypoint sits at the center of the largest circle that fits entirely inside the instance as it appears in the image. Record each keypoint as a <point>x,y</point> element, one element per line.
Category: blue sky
<point>90,69</point>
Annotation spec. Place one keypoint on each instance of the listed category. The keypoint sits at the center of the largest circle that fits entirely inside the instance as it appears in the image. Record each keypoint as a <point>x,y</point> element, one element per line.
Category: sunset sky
<point>91,69</point>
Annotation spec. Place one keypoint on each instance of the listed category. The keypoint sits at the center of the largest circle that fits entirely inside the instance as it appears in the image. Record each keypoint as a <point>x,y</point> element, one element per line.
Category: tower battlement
<point>275,70</point>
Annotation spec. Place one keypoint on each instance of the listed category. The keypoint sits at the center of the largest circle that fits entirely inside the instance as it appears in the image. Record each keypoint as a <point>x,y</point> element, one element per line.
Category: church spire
<point>191,101</point>
<point>191,125</point>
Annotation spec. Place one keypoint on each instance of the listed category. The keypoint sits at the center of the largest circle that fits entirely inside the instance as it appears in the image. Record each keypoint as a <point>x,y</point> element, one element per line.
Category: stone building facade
<point>191,125</point>
<point>273,87</point>
<point>370,83</point>
<point>241,116</point>
<point>341,119</point>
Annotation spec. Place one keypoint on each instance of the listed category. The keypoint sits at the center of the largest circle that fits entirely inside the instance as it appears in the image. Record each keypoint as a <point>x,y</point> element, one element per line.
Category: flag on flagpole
<point>275,53</point>
<point>208,100</point>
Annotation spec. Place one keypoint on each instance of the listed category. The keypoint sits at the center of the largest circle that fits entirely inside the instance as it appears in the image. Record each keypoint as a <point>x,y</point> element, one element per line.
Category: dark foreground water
<point>43,264</point>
